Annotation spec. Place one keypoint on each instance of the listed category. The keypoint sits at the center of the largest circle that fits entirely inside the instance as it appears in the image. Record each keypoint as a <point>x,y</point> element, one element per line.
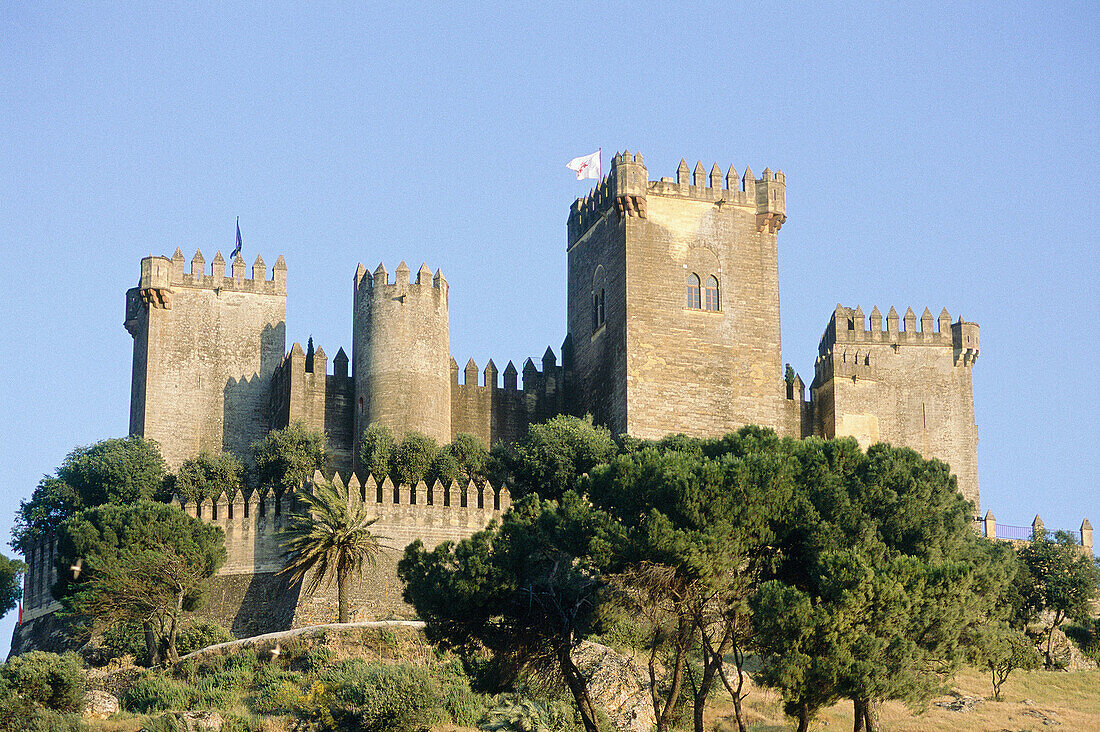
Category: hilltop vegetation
<point>742,572</point>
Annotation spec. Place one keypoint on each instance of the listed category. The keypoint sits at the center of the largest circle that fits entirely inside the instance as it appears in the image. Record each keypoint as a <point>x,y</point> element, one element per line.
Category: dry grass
<point>1035,700</point>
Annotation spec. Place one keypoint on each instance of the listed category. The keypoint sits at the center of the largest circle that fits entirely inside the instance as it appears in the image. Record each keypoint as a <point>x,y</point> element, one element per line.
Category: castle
<point>672,327</point>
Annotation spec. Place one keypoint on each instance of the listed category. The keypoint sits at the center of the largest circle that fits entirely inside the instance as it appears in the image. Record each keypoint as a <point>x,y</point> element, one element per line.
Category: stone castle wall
<point>909,387</point>
<point>493,412</point>
<point>401,352</point>
<point>650,361</point>
<point>248,596</point>
<point>205,349</point>
<point>211,371</point>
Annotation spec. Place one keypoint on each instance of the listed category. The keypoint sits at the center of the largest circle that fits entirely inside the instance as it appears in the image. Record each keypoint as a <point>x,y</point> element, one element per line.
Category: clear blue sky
<point>940,154</point>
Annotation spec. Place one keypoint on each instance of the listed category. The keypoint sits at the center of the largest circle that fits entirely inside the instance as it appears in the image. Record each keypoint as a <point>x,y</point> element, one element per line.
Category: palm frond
<point>330,534</point>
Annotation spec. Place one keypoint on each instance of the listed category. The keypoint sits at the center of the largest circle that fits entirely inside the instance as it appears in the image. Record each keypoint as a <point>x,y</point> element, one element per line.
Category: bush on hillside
<point>18,714</point>
<point>126,639</point>
<point>1087,637</point>
<point>373,698</point>
<point>275,691</point>
<point>46,679</point>
<point>158,693</point>
<point>199,633</point>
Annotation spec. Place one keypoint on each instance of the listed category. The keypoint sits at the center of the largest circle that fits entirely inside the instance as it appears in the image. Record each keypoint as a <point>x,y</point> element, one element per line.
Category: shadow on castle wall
<point>246,402</point>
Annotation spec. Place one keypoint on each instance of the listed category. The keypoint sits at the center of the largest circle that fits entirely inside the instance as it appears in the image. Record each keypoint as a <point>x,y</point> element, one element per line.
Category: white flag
<point>587,166</point>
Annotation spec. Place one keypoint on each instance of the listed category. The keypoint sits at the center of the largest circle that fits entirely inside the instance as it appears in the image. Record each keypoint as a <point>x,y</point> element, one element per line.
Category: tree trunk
<point>172,657</point>
<point>871,715</point>
<point>739,659</point>
<point>1050,639</point>
<point>860,723</point>
<point>152,644</point>
<point>664,719</point>
<point>342,592</point>
<point>579,688</point>
<point>712,665</point>
<point>803,717</point>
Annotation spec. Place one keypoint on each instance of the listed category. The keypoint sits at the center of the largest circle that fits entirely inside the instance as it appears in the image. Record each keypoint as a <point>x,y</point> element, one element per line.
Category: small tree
<point>46,679</point>
<point>285,458</point>
<point>525,589</point>
<point>445,469</point>
<point>413,458</point>
<point>1057,578</point>
<point>118,470</point>
<point>1002,649</point>
<point>697,536</point>
<point>376,451</point>
<point>147,563</point>
<point>208,475</point>
<point>332,539</point>
<point>11,583</point>
<point>470,455</point>
<point>552,457</point>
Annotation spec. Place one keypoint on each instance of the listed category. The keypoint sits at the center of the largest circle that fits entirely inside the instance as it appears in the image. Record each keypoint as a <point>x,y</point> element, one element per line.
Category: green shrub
<point>317,658</point>
<point>618,628</point>
<point>207,475</point>
<point>412,458</point>
<point>373,698</point>
<point>376,451</point>
<point>445,469</point>
<point>24,716</point>
<point>471,455</point>
<point>127,639</point>
<point>275,691</point>
<point>52,681</point>
<point>237,723</point>
<point>210,695</point>
<point>515,714</point>
<point>167,723</point>
<point>158,693</point>
<point>1087,637</point>
<point>198,633</point>
<point>462,704</point>
<point>236,671</point>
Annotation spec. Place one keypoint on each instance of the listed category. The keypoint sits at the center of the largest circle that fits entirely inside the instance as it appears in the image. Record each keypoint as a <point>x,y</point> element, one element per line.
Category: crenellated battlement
<point>380,278</point>
<point>160,274</point>
<point>533,378</point>
<point>848,326</point>
<point>625,188</point>
<point>252,525</point>
<point>495,411</point>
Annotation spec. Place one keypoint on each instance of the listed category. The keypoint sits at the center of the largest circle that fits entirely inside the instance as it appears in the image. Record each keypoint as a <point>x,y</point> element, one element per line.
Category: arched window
<point>693,292</point>
<point>712,293</point>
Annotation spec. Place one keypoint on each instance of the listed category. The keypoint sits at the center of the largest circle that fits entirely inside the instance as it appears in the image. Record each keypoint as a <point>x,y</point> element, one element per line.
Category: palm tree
<point>331,538</point>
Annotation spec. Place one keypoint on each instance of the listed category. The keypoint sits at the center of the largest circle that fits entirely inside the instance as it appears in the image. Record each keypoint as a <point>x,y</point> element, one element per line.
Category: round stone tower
<point>401,352</point>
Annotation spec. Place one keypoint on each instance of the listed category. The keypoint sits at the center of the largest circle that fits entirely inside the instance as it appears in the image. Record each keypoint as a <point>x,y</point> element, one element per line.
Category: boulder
<point>618,685</point>
<point>204,721</point>
<point>961,702</point>
<point>99,704</point>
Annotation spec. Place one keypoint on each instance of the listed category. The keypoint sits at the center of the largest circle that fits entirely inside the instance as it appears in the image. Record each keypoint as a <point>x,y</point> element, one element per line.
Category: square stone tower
<point>205,349</point>
<point>673,309</point>
<point>904,385</point>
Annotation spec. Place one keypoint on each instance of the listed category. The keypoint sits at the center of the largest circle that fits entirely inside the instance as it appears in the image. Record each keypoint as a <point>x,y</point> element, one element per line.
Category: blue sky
<point>941,155</point>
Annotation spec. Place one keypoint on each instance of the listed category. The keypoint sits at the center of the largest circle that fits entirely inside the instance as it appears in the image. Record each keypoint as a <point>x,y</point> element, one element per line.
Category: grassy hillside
<point>259,691</point>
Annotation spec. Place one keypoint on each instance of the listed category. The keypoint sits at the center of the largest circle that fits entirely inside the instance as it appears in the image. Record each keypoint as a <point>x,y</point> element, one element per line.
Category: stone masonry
<point>673,327</point>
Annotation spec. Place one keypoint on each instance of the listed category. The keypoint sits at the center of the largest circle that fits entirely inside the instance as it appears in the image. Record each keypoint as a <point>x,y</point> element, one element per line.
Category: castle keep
<point>673,326</point>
